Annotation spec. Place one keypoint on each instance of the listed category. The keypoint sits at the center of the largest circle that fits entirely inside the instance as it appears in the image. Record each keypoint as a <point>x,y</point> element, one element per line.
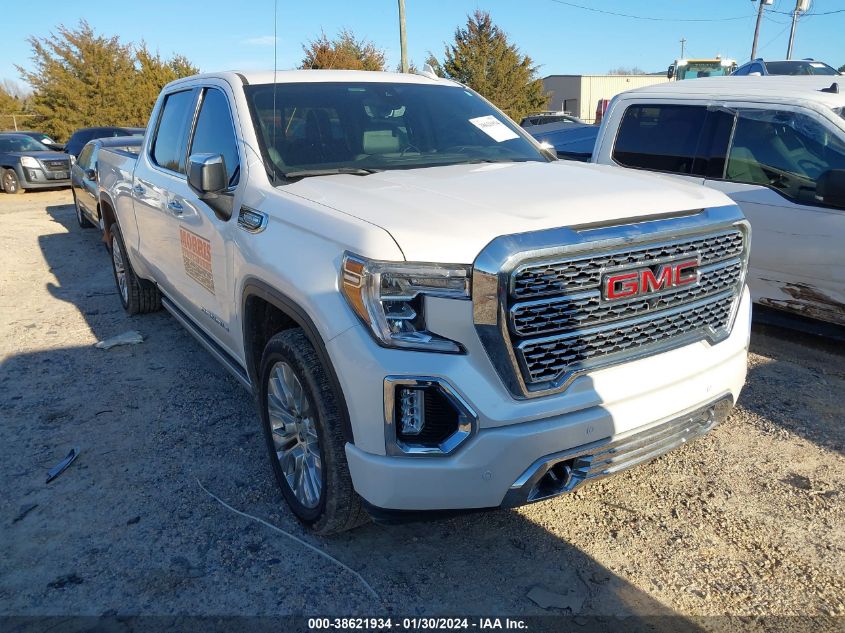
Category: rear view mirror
<point>830,188</point>
<point>207,178</point>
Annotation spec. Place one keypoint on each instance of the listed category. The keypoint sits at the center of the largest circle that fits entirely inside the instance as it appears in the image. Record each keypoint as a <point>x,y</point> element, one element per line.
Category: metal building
<point>580,94</point>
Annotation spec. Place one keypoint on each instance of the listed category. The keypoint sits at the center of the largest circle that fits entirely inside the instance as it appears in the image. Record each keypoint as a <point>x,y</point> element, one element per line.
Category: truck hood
<point>449,214</point>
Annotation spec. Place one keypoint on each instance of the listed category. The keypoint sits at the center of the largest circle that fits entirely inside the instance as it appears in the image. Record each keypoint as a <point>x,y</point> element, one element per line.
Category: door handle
<point>176,207</point>
<point>139,190</point>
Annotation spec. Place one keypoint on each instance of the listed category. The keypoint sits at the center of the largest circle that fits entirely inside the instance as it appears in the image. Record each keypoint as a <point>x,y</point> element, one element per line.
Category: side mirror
<point>671,72</point>
<point>830,188</point>
<point>90,174</point>
<point>207,174</point>
<point>207,178</point>
<point>548,149</point>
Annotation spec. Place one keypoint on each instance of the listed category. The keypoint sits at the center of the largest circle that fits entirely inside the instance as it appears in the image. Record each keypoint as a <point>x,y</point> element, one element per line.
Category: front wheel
<point>11,184</point>
<point>137,295</point>
<point>301,420</point>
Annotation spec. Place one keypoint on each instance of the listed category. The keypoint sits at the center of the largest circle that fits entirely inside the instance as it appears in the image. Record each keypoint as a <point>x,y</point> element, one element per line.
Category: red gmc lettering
<point>646,281</point>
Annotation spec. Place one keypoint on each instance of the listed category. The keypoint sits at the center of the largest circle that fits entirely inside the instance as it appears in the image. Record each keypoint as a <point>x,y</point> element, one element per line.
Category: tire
<point>83,221</point>
<point>138,296</point>
<point>11,183</point>
<point>313,432</point>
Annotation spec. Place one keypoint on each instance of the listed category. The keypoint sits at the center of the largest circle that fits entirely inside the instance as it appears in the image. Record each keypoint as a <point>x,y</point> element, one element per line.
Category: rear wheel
<point>11,184</point>
<point>137,295</point>
<point>81,219</point>
<point>301,421</point>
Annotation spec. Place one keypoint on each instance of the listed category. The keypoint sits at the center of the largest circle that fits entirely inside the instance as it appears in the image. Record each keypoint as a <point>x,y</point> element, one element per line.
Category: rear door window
<point>168,149</point>
<point>784,150</point>
<point>660,137</point>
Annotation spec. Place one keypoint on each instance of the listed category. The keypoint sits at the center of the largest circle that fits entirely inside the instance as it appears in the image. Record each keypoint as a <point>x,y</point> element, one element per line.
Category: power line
<point>649,18</point>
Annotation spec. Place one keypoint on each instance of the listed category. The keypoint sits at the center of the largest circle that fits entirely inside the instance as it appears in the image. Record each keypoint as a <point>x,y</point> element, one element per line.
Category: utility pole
<point>403,40</point>
<point>800,6</point>
<point>683,42</point>
<point>760,10</point>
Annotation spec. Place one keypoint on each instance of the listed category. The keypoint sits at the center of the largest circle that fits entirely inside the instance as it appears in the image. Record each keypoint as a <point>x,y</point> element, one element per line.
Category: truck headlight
<point>29,161</point>
<point>388,297</point>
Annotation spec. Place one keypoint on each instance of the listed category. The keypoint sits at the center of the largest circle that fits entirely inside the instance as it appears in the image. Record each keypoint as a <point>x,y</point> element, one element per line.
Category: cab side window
<point>660,137</point>
<point>784,150</point>
<point>215,132</point>
<point>84,159</point>
<point>168,149</point>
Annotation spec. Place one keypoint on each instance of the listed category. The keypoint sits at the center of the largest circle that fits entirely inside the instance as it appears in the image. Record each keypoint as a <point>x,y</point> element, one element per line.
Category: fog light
<point>411,411</point>
<point>33,174</point>
<point>424,416</point>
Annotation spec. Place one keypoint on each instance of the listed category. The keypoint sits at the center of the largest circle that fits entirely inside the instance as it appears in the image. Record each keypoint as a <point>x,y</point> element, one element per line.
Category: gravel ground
<point>748,522</point>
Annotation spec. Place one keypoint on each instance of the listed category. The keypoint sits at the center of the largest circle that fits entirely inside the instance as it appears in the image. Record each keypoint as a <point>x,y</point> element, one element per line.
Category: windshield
<point>799,68</point>
<point>364,127</point>
<point>708,69</point>
<point>19,144</point>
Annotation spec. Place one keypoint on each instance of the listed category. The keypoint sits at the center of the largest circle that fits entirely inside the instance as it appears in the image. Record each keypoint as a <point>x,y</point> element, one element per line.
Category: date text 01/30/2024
<point>415,624</point>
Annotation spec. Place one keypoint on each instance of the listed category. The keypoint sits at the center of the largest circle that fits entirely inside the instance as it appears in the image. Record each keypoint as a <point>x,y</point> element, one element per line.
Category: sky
<point>559,37</point>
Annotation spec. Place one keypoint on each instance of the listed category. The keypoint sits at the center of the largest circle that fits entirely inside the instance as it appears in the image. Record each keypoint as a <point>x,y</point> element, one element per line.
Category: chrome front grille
<point>543,317</point>
<point>56,165</point>
<point>568,313</point>
<point>572,275</point>
<point>547,358</point>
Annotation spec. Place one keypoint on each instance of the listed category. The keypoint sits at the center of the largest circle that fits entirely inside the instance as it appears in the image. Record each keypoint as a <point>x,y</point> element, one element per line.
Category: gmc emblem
<point>624,285</point>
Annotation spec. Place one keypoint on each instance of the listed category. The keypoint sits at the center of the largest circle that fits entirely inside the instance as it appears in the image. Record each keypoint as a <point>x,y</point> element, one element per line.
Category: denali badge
<point>643,281</point>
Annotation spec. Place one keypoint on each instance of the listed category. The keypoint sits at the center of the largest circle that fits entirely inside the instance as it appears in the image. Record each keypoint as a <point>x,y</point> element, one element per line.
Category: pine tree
<point>482,58</point>
<point>82,79</point>
<point>8,105</point>
<point>344,52</point>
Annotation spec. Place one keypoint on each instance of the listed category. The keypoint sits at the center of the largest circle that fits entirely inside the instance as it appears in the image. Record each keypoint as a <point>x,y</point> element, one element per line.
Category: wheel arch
<point>266,312</point>
<point>106,208</point>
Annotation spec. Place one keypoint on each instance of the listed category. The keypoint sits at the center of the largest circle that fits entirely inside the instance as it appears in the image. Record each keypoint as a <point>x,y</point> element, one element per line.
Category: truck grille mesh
<point>558,320</point>
<point>571,275</point>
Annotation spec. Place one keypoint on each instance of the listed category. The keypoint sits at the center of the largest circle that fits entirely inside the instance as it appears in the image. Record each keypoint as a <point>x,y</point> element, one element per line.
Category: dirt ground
<point>748,522</point>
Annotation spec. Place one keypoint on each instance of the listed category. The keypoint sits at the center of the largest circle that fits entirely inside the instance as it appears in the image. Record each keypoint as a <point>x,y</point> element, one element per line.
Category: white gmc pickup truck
<point>432,313</point>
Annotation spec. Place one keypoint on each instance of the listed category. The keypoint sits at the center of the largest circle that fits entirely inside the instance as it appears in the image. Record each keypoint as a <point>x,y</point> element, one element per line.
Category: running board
<point>212,347</point>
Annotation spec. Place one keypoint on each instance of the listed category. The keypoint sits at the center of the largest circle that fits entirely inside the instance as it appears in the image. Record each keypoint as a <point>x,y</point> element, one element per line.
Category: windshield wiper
<point>353,171</point>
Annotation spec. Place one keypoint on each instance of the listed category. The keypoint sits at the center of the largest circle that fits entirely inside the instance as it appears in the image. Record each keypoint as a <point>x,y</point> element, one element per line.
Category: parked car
<point>543,118</point>
<point>764,67</point>
<point>78,139</point>
<point>776,146</point>
<point>46,140</point>
<point>431,313</point>
<point>84,178</point>
<point>571,142</point>
<point>27,164</point>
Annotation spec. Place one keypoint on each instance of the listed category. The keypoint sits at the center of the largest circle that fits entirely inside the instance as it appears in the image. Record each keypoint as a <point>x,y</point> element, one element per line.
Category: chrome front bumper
<point>562,472</point>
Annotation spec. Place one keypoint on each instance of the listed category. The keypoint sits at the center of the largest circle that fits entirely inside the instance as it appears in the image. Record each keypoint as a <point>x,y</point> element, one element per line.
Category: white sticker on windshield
<point>494,128</point>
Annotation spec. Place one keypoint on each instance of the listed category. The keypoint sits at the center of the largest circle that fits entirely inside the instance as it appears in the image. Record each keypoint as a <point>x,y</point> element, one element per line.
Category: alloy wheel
<point>119,268</point>
<point>294,432</point>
